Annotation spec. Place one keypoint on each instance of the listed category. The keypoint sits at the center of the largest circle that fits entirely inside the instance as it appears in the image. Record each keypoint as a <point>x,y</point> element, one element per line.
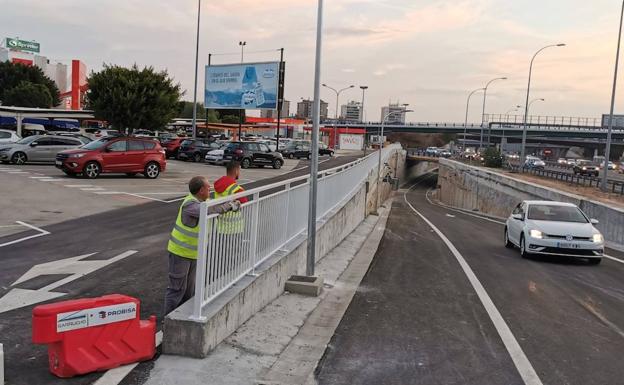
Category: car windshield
<point>96,144</point>
<point>556,213</point>
<point>27,140</point>
<point>187,142</point>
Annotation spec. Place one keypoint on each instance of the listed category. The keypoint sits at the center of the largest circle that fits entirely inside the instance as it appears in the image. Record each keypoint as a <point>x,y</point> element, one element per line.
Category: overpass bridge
<point>561,130</point>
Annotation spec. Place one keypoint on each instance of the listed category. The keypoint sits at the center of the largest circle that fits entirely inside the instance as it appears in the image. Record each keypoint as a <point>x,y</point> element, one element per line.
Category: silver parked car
<point>8,136</point>
<point>37,148</point>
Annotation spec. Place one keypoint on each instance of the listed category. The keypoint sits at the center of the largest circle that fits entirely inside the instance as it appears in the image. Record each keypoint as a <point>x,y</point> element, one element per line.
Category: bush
<point>492,158</point>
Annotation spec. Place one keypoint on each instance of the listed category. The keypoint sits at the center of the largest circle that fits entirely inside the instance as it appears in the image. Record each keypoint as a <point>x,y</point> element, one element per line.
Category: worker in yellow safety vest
<point>231,222</point>
<point>182,246</point>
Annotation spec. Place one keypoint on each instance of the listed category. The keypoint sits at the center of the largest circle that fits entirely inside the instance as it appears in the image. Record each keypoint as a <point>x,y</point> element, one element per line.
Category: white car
<point>553,228</point>
<point>215,156</point>
<point>8,136</point>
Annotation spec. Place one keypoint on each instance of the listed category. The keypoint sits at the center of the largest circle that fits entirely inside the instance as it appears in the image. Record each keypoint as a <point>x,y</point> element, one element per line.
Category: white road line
<point>51,180</point>
<point>78,185</point>
<point>115,376</point>
<point>613,258</point>
<point>92,189</point>
<point>458,210</point>
<point>522,363</point>
<point>108,192</point>
<point>40,177</point>
<point>42,232</point>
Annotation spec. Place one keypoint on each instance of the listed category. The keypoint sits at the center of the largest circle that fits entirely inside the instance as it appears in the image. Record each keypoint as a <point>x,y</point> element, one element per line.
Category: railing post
<point>254,232</point>
<point>200,278</point>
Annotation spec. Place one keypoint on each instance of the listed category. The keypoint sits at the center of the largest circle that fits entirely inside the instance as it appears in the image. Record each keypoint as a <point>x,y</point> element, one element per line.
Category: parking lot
<point>40,194</point>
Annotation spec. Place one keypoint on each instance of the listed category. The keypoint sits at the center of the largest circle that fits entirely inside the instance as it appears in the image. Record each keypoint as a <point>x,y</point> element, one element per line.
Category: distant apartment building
<point>272,114</point>
<point>398,113</point>
<point>351,112</point>
<point>305,107</point>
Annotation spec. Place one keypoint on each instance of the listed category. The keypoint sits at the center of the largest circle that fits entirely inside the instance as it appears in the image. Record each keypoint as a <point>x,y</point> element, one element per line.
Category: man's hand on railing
<point>235,205</point>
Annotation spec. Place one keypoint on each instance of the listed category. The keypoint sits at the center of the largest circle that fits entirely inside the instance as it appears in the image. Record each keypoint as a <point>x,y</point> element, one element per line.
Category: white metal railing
<point>275,215</point>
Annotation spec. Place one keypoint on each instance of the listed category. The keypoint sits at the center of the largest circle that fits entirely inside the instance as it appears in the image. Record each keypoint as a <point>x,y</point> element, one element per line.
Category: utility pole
<point>194,124</point>
<point>242,44</point>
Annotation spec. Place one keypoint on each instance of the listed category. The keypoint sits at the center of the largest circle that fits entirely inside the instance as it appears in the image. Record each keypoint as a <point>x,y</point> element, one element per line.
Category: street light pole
<point>364,88</point>
<point>466,121</point>
<point>194,125</point>
<point>605,172</point>
<point>316,118</point>
<point>483,113</point>
<point>338,92</point>
<point>526,105</point>
<point>381,143</point>
<point>242,44</point>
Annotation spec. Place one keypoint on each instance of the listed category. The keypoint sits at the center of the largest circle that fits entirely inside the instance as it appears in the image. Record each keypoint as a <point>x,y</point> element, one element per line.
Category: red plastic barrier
<point>93,334</point>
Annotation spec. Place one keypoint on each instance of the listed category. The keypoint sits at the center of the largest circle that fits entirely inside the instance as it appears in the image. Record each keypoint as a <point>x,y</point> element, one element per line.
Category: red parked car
<point>172,146</point>
<point>114,155</point>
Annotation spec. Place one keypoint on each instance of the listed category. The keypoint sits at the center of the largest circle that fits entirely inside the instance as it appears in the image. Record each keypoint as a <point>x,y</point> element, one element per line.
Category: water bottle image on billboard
<point>242,86</point>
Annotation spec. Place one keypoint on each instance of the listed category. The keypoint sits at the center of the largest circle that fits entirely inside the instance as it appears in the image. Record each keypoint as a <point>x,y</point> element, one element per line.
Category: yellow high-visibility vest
<point>231,222</point>
<point>183,239</point>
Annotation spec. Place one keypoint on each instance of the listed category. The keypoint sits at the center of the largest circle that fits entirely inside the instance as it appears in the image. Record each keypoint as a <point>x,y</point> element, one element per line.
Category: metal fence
<point>614,186</point>
<point>232,245</point>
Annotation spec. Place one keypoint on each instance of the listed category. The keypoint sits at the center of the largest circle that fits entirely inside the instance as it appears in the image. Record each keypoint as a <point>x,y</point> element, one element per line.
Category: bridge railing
<point>565,121</point>
<point>233,245</point>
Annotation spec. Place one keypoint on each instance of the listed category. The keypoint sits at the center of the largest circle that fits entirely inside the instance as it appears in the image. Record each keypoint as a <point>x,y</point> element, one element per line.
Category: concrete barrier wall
<point>196,338</point>
<point>496,194</point>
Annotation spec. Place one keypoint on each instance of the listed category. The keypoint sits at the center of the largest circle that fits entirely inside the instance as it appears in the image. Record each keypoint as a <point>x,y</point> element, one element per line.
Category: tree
<point>14,74</point>
<point>133,98</point>
<point>231,119</point>
<point>492,158</point>
<point>27,94</point>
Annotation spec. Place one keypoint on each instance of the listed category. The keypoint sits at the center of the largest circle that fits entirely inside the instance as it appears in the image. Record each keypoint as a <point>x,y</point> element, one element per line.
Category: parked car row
<point>301,149</point>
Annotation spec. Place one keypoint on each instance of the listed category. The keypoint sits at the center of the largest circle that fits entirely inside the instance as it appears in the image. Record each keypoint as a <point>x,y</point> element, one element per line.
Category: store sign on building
<point>22,45</point>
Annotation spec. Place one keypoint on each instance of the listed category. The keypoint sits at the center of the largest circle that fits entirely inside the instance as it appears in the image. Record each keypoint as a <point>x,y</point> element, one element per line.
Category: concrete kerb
<point>1,365</point>
<point>297,362</point>
<point>236,305</point>
<point>496,194</point>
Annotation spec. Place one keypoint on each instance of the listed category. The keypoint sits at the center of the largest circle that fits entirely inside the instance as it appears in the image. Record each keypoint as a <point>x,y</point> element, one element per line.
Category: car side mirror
<point>107,149</point>
<point>594,221</point>
<point>518,217</point>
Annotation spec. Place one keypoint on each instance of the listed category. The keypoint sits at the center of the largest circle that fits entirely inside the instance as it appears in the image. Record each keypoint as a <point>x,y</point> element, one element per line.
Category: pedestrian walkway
<point>263,346</point>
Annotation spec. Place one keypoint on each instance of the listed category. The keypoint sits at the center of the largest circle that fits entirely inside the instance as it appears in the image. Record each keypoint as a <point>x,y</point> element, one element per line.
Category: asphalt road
<point>417,319</point>
<point>142,228</point>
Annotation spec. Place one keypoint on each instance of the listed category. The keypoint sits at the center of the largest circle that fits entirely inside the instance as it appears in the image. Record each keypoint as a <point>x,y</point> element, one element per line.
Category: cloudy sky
<point>428,53</point>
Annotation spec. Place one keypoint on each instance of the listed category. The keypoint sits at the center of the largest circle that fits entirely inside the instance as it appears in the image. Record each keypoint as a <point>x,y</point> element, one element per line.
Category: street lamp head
<point>408,111</point>
<point>324,85</point>
<point>364,87</point>
<point>561,45</point>
<point>503,78</point>
<point>351,86</point>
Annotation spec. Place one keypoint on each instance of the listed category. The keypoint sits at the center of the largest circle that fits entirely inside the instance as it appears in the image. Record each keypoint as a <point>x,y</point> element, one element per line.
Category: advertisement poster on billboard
<point>242,86</point>
<point>351,142</point>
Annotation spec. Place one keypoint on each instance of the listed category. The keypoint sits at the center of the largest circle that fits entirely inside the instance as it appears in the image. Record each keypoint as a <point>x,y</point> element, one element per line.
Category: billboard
<point>618,120</point>
<point>22,45</point>
<point>351,142</point>
<point>242,86</point>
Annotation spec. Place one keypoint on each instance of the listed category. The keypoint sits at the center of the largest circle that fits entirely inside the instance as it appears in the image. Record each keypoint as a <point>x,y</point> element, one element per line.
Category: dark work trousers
<point>181,282</point>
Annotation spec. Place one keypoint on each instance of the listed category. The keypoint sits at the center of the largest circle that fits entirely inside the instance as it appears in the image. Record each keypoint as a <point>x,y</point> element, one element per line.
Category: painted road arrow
<point>18,298</point>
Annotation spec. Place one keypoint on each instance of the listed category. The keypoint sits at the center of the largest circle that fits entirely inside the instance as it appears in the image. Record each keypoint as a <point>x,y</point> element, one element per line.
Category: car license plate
<point>58,163</point>
<point>567,245</point>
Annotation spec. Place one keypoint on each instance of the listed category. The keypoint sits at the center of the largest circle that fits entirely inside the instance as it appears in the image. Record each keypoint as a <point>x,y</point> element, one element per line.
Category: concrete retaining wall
<point>230,310</point>
<point>496,194</point>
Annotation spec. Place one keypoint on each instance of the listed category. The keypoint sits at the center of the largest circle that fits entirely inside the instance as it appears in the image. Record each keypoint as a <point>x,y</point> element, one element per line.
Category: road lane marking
<point>440,204</point>
<point>42,232</point>
<point>40,177</point>
<point>76,267</point>
<point>522,363</point>
<point>115,376</point>
<point>613,258</point>
<point>92,189</point>
<point>78,185</point>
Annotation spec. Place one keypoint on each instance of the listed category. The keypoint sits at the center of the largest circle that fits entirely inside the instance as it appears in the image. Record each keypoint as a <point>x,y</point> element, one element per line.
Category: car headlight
<point>4,149</point>
<point>536,234</point>
<point>76,155</point>
<point>598,238</point>
<point>584,168</point>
